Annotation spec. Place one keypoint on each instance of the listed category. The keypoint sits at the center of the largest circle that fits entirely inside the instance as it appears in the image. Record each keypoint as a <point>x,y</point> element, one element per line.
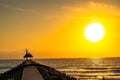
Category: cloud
<point>8,6</point>
<point>105,8</point>
<point>101,5</point>
<point>91,8</point>
<point>109,2</point>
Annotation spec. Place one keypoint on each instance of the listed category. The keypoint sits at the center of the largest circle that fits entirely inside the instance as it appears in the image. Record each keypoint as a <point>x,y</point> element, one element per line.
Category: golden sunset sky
<point>55,28</point>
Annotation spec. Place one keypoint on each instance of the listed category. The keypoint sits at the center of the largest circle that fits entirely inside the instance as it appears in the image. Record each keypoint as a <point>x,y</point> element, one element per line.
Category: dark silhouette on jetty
<point>30,70</point>
<point>28,55</point>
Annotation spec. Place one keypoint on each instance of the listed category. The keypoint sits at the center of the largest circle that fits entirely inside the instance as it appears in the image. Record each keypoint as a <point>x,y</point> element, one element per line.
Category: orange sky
<point>55,29</point>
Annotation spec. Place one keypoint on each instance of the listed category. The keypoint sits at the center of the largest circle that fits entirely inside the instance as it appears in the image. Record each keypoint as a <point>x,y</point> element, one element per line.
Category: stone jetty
<point>30,70</point>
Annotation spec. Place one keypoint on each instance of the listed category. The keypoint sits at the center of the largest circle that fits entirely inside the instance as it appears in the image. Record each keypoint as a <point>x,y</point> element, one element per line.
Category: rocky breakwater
<point>46,72</point>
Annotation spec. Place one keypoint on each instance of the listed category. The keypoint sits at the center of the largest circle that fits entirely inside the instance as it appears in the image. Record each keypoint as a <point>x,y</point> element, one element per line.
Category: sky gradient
<point>55,28</point>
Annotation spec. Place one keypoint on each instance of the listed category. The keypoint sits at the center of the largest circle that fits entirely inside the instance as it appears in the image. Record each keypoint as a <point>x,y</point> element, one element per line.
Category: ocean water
<point>82,69</point>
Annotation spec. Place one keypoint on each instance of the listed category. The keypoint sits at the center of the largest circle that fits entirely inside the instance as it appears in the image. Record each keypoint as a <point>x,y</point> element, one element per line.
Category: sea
<point>80,68</point>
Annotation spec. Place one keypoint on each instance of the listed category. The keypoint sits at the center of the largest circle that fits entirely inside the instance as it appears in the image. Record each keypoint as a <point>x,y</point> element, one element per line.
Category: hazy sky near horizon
<point>54,28</point>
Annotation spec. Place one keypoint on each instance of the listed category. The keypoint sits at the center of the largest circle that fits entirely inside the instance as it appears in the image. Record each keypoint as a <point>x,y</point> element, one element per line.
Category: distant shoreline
<point>60,58</point>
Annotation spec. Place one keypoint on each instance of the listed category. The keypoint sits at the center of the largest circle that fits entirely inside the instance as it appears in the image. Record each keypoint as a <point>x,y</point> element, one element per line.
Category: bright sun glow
<point>94,32</point>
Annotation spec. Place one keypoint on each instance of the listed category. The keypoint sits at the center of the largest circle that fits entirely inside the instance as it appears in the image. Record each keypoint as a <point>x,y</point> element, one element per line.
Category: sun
<point>94,32</point>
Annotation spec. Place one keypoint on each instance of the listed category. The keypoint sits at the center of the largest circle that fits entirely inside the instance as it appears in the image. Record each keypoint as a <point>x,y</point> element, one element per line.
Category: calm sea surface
<point>82,69</point>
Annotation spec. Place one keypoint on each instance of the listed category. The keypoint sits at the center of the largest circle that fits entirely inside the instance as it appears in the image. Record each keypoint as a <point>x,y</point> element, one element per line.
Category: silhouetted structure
<point>28,55</point>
